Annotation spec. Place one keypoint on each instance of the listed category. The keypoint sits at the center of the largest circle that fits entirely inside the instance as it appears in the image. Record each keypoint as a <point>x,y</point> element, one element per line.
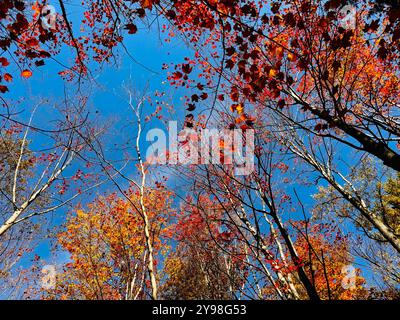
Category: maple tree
<point>256,219</point>
<point>208,261</point>
<point>325,253</point>
<point>108,255</point>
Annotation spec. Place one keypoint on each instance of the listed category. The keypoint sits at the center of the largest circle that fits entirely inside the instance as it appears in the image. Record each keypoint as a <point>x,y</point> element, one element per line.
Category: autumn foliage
<point>317,82</point>
<point>107,249</point>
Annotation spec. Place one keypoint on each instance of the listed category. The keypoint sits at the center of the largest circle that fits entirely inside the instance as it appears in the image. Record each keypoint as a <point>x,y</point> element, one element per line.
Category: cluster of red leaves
<point>24,38</point>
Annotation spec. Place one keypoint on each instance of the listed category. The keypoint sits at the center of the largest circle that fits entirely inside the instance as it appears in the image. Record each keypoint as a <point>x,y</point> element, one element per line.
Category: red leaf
<point>4,62</point>
<point>3,89</point>
<point>191,107</point>
<point>186,68</point>
<point>177,75</point>
<point>8,77</point>
<point>204,96</point>
<point>132,28</point>
<point>32,42</point>
<point>39,63</point>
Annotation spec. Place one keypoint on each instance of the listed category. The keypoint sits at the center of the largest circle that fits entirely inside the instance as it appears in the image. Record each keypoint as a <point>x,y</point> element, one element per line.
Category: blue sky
<point>108,98</point>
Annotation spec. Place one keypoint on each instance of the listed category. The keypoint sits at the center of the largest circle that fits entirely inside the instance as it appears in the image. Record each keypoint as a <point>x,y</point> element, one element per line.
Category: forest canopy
<point>201,149</point>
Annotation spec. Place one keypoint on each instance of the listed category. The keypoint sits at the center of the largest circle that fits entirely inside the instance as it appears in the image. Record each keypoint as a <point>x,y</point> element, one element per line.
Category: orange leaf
<point>273,73</point>
<point>291,57</point>
<point>26,73</point>
<point>279,52</point>
<point>243,116</point>
<point>239,108</point>
<point>147,4</point>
